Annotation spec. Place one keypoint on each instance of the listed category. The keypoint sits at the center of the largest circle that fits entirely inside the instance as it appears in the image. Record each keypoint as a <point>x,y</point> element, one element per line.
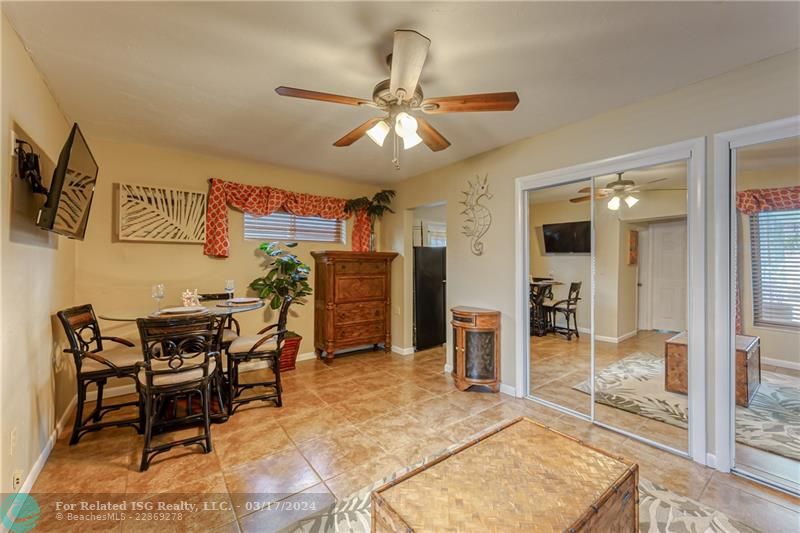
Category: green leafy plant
<point>286,281</point>
<point>375,207</point>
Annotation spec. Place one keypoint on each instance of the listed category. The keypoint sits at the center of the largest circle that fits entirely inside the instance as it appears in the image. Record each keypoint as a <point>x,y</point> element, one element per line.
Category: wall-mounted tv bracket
<point>28,166</point>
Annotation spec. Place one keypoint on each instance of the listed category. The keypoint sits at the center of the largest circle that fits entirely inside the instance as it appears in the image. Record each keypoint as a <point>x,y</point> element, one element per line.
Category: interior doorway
<point>429,238</point>
<point>662,276</point>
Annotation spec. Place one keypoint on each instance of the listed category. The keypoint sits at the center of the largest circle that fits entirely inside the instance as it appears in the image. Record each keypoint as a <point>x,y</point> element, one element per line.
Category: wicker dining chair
<point>97,359</point>
<point>231,328</point>
<point>181,359</point>
<point>265,348</point>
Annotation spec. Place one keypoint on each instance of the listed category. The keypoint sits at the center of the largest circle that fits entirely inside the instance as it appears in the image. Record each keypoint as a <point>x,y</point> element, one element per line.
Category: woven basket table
<point>521,476</point>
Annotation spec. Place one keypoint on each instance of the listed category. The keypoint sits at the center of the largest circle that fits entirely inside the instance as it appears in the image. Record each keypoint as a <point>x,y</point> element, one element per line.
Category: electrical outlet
<point>13,442</point>
<point>16,479</point>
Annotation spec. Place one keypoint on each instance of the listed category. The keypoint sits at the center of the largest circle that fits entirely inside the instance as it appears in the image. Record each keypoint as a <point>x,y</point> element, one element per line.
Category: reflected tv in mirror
<point>568,238</point>
<point>69,199</point>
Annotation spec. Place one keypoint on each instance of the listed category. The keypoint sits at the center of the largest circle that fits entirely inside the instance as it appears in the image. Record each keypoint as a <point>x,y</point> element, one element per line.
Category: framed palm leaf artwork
<point>158,214</point>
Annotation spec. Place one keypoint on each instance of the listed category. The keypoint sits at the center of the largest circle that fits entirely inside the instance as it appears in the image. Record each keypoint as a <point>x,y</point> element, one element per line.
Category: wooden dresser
<point>352,303</point>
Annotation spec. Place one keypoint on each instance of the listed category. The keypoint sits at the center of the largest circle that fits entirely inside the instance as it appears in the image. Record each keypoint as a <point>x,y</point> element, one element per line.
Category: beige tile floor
<point>343,425</point>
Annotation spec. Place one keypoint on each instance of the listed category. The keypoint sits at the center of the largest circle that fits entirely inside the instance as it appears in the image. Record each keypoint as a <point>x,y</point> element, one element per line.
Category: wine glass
<point>229,287</point>
<point>157,292</point>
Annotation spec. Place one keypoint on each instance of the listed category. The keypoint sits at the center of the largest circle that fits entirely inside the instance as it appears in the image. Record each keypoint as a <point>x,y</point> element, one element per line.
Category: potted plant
<point>284,285</point>
<point>375,208</point>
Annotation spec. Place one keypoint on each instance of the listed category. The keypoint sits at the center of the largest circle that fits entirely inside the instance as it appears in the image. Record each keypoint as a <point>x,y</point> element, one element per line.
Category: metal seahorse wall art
<point>478,216</point>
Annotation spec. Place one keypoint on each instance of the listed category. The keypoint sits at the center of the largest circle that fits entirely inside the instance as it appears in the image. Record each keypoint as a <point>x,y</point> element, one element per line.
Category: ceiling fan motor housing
<point>383,97</point>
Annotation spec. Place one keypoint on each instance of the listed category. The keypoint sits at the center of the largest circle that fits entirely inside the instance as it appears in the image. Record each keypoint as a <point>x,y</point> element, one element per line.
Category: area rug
<point>636,384</point>
<point>660,510</point>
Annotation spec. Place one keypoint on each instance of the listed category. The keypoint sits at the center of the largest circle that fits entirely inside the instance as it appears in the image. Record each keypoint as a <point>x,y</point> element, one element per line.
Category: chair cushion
<point>244,343</point>
<point>185,376</point>
<point>124,357</point>
<point>252,364</point>
<point>228,335</point>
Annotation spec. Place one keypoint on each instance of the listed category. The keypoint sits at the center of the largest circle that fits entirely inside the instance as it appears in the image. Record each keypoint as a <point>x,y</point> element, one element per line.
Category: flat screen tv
<point>69,199</point>
<point>568,238</point>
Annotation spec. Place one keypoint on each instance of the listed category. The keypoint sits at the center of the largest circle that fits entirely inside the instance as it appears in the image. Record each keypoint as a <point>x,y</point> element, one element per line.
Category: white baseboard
<point>402,351</point>
<point>307,356</point>
<point>615,340</point>
<point>37,467</point>
<point>711,460</point>
<point>508,389</point>
<point>780,363</point>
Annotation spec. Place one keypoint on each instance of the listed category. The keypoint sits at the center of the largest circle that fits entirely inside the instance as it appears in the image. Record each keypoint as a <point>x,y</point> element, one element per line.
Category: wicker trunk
<point>519,477</point>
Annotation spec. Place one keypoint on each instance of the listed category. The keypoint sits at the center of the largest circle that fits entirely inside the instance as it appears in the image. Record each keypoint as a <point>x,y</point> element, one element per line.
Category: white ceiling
<point>201,76</point>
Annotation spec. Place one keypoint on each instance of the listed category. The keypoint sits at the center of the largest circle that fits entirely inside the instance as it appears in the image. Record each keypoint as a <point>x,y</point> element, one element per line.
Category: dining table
<point>219,413</point>
<point>218,308</point>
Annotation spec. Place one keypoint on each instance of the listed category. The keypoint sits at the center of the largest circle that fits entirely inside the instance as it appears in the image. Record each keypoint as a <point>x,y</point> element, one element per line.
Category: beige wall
<point>38,273</point>
<point>776,343</point>
<point>116,276</point>
<point>767,90</point>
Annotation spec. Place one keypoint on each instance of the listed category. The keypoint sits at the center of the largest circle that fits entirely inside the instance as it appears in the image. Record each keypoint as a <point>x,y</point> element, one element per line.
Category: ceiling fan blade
<point>471,102</point>
<point>408,57</point>
<point>430,136</point>
<point>322,97</point>
<point>580,199</point>
<point>354,135</point>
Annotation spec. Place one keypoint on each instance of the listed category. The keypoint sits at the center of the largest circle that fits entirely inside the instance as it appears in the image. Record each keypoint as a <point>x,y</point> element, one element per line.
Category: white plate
<point>183,310</point>
<point>244,300</point>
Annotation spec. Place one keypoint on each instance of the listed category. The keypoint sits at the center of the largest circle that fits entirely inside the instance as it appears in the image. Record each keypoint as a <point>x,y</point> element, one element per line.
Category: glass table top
<point>220,308</point>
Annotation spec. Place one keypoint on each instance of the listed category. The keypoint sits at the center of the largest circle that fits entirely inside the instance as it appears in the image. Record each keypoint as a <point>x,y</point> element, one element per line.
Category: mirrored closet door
<point>765,354</point>
<point>560,267</point>
<point>641,323</point>
<point>616,322</point>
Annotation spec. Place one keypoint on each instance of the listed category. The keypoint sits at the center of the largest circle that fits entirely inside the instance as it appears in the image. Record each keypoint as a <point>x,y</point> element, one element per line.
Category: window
<point>437,235</point>
<point>775,256</point>
<point>282,226</point>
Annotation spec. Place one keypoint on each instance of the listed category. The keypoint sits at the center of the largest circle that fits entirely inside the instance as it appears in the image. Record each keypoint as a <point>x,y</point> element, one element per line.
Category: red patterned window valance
<point>753,201</point>
<point>261,201</point>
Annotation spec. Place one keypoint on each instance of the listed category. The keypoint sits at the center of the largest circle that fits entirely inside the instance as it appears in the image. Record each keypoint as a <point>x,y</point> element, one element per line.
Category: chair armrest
<point>265,338</point>
<point>266,329</point>
<point>91,355</point>
<point>119,340</point>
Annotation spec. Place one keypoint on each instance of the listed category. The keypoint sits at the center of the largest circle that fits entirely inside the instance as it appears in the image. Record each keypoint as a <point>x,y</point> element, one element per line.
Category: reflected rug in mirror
<point>636,384</point>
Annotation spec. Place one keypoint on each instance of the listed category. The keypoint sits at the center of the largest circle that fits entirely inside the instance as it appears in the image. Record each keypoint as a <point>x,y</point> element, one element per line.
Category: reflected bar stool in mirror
<point>568,309</point>
<point>98,358</point>
<point>476,347</point>
<point>180,361</point>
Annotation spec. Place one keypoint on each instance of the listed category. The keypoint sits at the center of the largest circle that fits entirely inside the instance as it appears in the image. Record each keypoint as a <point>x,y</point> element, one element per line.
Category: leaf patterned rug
<point>660,510</point>
<point>636,384</point>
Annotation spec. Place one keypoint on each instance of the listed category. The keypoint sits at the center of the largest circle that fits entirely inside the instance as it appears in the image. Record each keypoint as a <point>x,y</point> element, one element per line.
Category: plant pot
<point>289,351</point>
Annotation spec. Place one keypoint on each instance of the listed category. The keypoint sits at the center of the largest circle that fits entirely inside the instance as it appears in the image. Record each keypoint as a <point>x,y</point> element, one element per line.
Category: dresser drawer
<point>367,331</point>
<point>353,267</point>
<point>353,289</point>
<point>359,312</point>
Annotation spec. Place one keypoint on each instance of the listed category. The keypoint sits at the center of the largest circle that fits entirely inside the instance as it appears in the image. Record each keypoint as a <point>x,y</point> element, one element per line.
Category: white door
<point>643,285</point>
<point>668,304</point>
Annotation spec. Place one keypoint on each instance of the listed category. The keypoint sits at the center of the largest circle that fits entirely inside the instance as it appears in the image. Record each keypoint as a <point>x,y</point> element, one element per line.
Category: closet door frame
<point>693,151</point>
<point>725,146</point>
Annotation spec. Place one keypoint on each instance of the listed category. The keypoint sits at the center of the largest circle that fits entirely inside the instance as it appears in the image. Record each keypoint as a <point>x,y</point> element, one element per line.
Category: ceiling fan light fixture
<point>378,132</point>
<point>405,125</point>
<point>410,140</point>
<point>631,200</point>
<point>613,204</point>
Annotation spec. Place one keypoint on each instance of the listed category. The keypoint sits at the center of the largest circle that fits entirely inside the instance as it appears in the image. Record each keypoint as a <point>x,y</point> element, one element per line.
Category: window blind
<point>282,226</point>
<point>775,256</point>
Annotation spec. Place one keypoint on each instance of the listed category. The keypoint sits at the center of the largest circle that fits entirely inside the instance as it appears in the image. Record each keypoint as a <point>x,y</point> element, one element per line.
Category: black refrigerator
<point>430,278</point>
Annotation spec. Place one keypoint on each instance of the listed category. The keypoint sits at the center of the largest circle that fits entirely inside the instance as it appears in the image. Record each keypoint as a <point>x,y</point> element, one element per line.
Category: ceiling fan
<point>401,99</point>
<point>619,190</point>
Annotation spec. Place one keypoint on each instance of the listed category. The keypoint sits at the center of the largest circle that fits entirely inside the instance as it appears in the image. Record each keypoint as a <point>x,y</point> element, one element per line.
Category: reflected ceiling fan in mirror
<point>619,190</point>
<point>401,99</point>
